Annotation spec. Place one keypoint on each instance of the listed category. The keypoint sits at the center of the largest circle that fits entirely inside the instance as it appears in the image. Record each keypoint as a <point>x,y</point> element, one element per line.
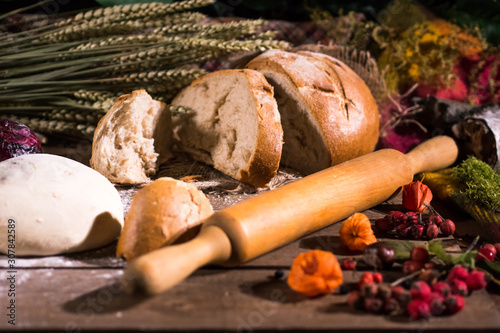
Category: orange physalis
<point>356,232</point>
<point>315,273</point>
<point>416,197</point>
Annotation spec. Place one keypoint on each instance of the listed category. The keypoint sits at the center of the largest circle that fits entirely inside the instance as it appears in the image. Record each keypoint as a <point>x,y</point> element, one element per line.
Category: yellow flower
<point>413,71</point>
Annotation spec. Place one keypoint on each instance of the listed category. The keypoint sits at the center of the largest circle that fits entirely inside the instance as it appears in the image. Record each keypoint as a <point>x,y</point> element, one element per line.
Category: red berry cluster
<point>422,300</point>
<point>375,296</point>
<point>427,301</point>
<point>444,297</point>
<point>414,225</point>
<point>419,258</point>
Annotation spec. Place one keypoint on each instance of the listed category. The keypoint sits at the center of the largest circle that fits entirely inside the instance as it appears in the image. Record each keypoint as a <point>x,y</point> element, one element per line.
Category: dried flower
<point>416,196</point>
<point>17,139</point>
<point>315,273</point>
<point>356,232</point>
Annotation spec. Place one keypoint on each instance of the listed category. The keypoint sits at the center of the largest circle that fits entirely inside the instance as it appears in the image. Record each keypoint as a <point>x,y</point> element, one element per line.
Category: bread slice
<point>132,139</point>
<point>327,112</point>
<point>235,127</point>
<point>161,213</point>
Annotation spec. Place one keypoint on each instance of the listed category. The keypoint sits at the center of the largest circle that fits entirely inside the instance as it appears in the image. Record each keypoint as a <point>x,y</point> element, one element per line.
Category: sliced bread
<point>132,139</point>
<point>327,112</point>
<point>235,126</point>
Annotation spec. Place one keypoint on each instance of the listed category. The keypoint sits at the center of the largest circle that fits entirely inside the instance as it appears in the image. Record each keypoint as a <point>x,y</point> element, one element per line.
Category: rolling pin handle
<point>434,154</point>
<point>159,270</point>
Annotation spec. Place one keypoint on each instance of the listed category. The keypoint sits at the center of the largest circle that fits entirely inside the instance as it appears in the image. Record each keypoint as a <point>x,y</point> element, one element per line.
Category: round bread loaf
<point>236,125</point>
<point>51,205</point>
<point>132,139</point>
<point>327,112</point>
<point>161,213</point>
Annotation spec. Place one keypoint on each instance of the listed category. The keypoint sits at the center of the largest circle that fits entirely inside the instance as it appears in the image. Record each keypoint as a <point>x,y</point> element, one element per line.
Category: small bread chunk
<point>328,113</point>
<point>160,214</point>
<point>236,126</point>
<point>55,205</point>
<point>132,139</point>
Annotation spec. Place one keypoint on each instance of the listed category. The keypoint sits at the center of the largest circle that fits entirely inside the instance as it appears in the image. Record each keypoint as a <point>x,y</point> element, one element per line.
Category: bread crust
<point>339,103</point>
<point>363,109</point>
<point>160,213</point>
<point>266,158</point>
<point>264,161</point>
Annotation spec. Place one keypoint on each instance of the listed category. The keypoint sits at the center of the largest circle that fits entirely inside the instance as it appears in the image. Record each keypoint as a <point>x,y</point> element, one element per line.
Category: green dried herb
<point>481,182</point>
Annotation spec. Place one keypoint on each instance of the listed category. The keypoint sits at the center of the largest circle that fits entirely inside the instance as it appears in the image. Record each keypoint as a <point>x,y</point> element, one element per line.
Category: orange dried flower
<point>458,38</point>
<point>315,273</point>
<point>356,232</point>
<point>416,196</point>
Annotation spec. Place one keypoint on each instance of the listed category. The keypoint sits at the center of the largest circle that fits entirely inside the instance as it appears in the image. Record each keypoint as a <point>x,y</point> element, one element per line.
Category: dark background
<point>483,13</point>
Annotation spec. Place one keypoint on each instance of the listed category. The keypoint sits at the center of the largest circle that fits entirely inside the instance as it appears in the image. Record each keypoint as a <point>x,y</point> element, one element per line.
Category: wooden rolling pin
<point>265,222</point>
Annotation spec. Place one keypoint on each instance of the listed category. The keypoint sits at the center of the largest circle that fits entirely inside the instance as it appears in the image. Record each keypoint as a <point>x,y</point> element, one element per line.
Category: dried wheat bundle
<point>61,77</point>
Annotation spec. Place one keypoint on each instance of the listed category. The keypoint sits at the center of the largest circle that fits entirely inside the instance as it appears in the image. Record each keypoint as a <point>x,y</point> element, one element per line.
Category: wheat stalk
<point>175,77</point>
<point>93,96</point>
<point>223,47</point>
<point>136,11</point>
<point>75,116</point>
<point>71,129</point>
<point>267,35</point>
<point>97,28</point>
<point>61,78</point>
<point>98,43</point>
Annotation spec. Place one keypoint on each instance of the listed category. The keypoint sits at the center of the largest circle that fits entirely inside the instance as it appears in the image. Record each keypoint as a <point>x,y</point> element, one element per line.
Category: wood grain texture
<point>211,300</point>
<point>71,298</point>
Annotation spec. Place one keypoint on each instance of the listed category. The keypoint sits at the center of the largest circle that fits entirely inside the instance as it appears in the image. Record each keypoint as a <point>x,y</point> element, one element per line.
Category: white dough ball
<point>55,205</point>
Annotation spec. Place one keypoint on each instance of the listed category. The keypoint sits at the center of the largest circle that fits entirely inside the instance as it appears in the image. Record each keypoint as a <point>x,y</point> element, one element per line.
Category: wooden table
<point>81,292</point>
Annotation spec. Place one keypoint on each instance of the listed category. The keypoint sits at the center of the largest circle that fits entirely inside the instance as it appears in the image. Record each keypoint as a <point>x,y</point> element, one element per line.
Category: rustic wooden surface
<point>81,292</point>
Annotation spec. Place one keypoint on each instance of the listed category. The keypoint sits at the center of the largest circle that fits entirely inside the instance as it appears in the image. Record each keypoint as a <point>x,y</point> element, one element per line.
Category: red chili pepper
<point>416,197</point>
